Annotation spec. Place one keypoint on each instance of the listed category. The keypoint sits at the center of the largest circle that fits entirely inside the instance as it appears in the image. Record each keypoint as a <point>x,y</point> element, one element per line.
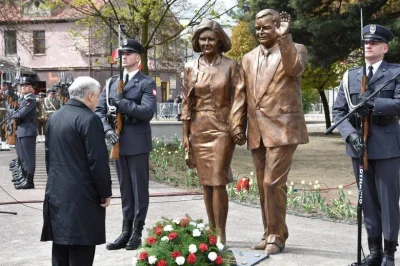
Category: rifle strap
<point>110,108</point>
<point>346,89</point>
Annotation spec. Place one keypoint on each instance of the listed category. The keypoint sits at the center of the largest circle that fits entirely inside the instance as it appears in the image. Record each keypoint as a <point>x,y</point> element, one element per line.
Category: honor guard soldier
<point>381,188</point>
<point>26,133</point>
<point>137,103</point>
<point>41,117</point>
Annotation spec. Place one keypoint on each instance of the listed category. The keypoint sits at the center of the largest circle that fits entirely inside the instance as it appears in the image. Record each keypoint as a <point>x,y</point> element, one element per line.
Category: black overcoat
<point>78,177</point>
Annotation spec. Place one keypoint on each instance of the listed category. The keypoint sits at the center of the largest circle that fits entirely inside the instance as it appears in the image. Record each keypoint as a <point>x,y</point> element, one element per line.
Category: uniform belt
<point>383,120</point>
<point>27,120</point>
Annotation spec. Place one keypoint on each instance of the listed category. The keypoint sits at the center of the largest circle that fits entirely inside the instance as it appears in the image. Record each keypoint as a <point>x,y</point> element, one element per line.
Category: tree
<point>242,40</point>
<point>331,32</point>
<point>153,22</point>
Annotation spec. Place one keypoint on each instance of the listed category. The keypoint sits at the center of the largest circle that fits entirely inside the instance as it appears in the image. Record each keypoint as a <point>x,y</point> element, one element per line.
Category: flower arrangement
<point>181,242</point>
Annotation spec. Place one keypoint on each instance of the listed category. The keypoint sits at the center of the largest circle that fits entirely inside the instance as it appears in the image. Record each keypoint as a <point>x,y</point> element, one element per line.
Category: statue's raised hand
<point>285,24</point>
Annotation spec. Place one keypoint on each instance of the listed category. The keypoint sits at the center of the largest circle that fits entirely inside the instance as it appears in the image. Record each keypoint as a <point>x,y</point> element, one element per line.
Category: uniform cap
<point>26,81</point>
<point>42,94</point>
<point>377,33</point>
<point>131,46</point>
<point>49,90</point>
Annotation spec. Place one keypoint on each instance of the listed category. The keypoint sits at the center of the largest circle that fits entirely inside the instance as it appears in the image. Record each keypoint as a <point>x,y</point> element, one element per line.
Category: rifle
<point>114,154</point>
<point>12,100</point>
<point>364,81</point>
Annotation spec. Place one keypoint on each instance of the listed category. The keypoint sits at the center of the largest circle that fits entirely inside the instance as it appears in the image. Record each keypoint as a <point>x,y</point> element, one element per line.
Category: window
<point>39,42</point>
<point>10,42</point>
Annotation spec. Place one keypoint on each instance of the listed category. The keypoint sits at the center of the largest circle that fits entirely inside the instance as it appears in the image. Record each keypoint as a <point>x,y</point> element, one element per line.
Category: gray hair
<point>81,87</point>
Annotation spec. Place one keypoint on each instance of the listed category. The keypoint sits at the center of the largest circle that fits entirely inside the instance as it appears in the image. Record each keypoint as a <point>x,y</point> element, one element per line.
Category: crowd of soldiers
<point>13,105</point>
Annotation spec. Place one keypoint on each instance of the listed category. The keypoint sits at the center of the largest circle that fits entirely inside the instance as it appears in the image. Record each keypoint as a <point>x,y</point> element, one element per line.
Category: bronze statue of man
<point>269,102</point>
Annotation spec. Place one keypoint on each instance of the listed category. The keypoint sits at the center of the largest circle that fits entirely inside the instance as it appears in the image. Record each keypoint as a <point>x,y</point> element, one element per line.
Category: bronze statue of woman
<point>208,92</point>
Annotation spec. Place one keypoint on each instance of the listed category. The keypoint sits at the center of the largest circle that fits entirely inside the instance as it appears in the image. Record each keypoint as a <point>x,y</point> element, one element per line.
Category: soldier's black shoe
<point>375,253</point>
<point>27,184</point>
<point>388,256</point>
<point>134,242</point>
<point>123,239</point>
<point>136,238</point>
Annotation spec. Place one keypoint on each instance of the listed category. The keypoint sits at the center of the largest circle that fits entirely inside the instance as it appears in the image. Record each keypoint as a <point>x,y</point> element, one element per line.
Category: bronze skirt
<point>212,148</point>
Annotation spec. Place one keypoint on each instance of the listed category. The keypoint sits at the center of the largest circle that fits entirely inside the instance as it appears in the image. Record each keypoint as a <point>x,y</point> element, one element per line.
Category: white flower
<point>315,186</point>
<point>196,232</point>
<point>251,173</point>
<point>192,248</point>
<point>291,183</point>
<point>193,223</point>
<point>340,186</point>
<point>303,182</point>
<point>200,227</point>
<point>251,182</point>
<point>180,260</point>
<point>165,239</point>
<point>152,259</point>
<point>318,186</point>
<point>176,221</point>
<point>168,228</point>
<point>212,256</point>
<point>349,192</point>
<point>310,184</point>
<point>135,261</point>
<point>316,182</point>
<point>220,246</point>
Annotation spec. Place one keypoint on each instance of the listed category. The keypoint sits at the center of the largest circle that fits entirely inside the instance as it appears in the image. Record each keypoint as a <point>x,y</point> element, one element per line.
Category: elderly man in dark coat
<point>79,181</point>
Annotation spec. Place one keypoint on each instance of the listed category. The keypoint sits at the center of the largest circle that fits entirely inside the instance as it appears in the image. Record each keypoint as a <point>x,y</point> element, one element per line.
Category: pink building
<point>48,51</point>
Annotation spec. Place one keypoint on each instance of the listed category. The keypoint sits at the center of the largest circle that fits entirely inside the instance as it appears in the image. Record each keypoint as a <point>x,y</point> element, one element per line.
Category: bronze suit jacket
<point>222,88</point>
<point>273,108</point>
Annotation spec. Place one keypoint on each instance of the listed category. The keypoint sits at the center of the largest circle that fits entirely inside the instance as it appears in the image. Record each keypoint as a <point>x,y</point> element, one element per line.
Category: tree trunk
<point>326,108</point>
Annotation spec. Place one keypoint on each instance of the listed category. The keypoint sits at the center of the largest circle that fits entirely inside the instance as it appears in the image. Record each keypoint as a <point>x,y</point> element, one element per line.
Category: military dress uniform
<point>138,107</point>
<point>41,117</point>
<point>381,187</point>
<point>26,136</point>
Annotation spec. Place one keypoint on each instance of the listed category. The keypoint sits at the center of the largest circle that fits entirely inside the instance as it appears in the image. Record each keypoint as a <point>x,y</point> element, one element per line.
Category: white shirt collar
<point>375,66</point>
<point>131,74</point>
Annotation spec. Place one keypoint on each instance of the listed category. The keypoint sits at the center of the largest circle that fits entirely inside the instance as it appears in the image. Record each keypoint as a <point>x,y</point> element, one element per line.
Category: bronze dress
<point>210,139</point>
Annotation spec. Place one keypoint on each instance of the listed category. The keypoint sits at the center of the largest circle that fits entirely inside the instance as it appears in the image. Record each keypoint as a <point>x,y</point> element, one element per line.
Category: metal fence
<point>169,111</point>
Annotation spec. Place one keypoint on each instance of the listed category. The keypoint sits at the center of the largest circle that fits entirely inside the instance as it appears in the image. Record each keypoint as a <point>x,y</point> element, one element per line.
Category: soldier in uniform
<point>137,103</point>
<point>381,188</point>
<point>26,133</point>
<point>41,117</point>
<point>51,102</point>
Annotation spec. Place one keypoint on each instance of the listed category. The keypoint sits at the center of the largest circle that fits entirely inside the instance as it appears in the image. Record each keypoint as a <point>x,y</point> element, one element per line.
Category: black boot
<point>121,241</point>
<point>136,238</point>
<point>375,253</point>
<point>27,184</point>
<point>388,256</point>
<point>18,176</point>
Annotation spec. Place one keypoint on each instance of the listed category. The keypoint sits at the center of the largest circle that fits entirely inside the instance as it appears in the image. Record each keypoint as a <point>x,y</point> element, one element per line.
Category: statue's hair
<point>208,24</point>
<point>276,18</point>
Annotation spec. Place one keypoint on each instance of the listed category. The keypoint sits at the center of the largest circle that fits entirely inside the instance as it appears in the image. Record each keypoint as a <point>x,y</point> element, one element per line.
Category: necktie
<point>263,64</point>
<point>370,72</point>
<point>126,79</point>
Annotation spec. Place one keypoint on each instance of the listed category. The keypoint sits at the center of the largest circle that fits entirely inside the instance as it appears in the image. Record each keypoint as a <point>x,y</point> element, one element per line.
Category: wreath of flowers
<point>182,242</point>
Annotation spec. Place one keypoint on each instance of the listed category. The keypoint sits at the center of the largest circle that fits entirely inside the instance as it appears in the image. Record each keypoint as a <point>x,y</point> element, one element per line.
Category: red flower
<point>151,240</point>
<point>243,184</point>
<point>175,254</point>
<point>173,235</point>
<point>218,260</point>
<point>143,255</point>
<point>212,240</point>
<point>158,230</point>
<point>191,259</point>
<point>162,263</point>
<point>203,247</point>
<point>184,221</point>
